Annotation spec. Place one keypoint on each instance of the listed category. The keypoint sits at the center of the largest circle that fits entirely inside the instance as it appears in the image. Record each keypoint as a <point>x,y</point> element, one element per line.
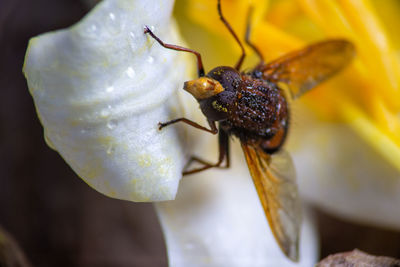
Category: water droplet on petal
<point>132,41</point>
<point>104,113</point>
<point>110,149</point>
<point>112,124</point>
<point>92,29</point>
<point>150,59</point>
<point>130,72</point>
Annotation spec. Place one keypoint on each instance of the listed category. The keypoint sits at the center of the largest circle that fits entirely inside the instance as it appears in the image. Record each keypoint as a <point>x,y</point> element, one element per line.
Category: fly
<point>251,106</point>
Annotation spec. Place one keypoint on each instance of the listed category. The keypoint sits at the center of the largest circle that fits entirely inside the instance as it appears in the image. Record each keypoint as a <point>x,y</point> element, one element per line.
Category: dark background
<point>53,215</point>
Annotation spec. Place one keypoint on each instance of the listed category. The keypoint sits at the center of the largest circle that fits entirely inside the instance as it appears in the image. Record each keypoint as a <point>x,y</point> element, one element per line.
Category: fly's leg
<point>200,68</point>
<point>221,16</point>
<point>247,36</point>
<point>223,141</point>
<point>213,129</point>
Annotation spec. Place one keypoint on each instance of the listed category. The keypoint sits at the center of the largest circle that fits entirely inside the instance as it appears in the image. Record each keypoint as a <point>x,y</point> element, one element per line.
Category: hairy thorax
<point>259,110</point>
<point>253,109</point>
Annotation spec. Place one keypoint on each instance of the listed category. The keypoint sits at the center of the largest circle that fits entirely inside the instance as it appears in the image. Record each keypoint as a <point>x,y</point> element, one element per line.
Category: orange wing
<point>274,178</point>
<point>304,69</point>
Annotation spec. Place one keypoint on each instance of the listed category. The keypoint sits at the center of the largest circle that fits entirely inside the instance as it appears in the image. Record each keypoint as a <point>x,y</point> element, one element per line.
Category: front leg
<point>200,68</point>
<point>213,129</point>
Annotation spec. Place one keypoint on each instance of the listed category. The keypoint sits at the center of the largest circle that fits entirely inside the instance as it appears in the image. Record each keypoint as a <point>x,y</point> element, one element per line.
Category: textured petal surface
<point>338,172</point>
<point>100,88</point>
<point>217,220</point>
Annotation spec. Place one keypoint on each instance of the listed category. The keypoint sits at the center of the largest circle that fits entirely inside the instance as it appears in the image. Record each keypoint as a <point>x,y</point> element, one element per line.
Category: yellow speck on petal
<point>144,160</point>
<point>108,143</point>
<point>110,190</point>
<point>134,181</point>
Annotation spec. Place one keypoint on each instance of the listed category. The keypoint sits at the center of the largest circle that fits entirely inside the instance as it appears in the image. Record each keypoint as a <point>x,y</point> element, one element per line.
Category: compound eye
<point>228,77</point>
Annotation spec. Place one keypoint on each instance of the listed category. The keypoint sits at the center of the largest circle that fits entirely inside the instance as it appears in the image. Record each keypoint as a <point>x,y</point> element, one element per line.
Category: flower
<point>75,75</point>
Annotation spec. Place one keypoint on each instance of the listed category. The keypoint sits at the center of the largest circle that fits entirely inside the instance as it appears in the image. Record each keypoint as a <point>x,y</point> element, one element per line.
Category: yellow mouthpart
<point>203,88</point>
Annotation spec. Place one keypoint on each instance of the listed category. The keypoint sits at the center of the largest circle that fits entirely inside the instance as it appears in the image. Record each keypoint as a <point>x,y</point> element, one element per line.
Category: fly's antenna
<point>221,16</point>
<point>247,36</point>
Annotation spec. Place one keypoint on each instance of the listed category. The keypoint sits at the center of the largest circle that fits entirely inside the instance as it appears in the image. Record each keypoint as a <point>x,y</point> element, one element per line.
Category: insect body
<point>252,107</point>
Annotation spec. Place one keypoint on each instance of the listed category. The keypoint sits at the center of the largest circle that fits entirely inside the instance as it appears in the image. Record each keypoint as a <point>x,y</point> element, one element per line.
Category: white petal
<point>100,88</point>
<point>343,175</point>
<point>217,220</point>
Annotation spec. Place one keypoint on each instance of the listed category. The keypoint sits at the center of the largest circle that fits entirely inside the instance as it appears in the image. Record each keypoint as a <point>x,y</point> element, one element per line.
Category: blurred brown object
<point>358,258</point>
<point>10,253</point>
<point>337,235</point>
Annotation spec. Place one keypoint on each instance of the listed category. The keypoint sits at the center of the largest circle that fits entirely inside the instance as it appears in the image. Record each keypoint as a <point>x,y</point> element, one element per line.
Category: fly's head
<point>216,92</point>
